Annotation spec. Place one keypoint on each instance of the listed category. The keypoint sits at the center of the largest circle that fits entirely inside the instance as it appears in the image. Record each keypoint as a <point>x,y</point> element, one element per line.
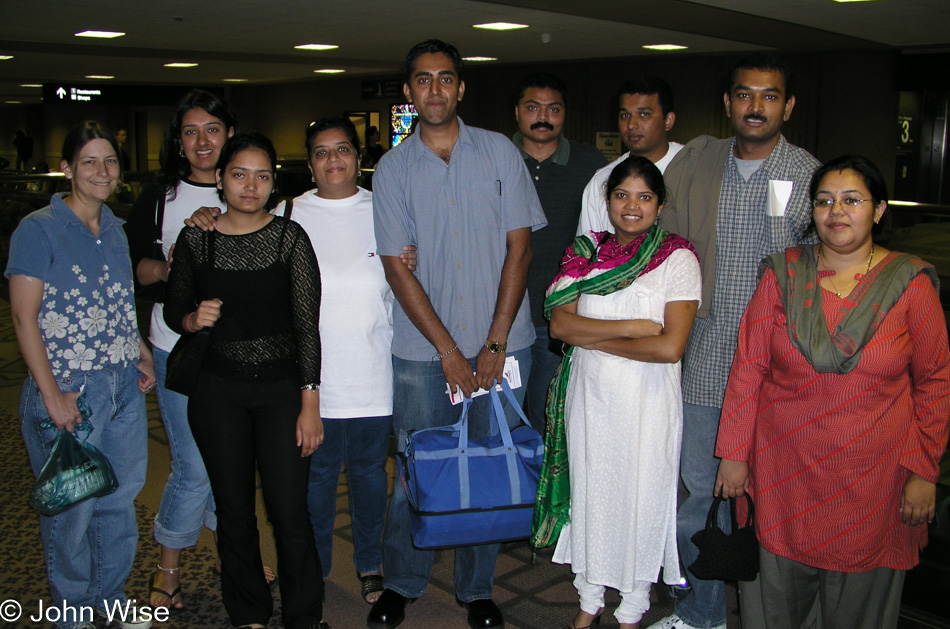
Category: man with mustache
<point>560,169</point>
<point>737,200</point>
<point>463,196</point>
<point>645,119</point>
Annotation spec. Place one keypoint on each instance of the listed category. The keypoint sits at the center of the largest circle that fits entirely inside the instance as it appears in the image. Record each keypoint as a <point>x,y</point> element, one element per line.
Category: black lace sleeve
<point>181,294</point>
<point>305,293</point>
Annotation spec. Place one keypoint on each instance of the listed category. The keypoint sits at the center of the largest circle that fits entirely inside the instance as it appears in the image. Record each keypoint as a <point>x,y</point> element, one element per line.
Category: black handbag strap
<point>711,519</point>
<point>288,208</point>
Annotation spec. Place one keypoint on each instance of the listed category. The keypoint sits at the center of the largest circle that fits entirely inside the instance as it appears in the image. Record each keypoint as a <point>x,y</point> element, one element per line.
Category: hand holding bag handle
<point>722,557</point>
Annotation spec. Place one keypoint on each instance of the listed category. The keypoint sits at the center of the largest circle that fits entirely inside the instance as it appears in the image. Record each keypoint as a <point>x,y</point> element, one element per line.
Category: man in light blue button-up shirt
<point>463,196</point>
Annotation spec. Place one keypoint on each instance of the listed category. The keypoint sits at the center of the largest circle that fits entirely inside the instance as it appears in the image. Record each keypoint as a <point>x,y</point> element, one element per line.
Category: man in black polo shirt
<point>560,169</point>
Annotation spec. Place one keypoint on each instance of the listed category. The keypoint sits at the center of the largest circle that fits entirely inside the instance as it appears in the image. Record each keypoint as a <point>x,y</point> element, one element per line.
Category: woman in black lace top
<point>255,282</point>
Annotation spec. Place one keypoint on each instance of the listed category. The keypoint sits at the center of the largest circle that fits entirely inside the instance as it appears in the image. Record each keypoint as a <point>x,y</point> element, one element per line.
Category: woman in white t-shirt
<point>198,129</point>
<point>356,330</point>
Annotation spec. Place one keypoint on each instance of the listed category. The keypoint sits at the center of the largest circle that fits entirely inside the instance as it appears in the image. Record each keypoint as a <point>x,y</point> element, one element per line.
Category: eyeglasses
<point>828,203</point>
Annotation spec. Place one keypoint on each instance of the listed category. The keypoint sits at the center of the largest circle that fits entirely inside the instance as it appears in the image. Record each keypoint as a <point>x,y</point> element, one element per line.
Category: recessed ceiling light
<point>234,80</point>
<point>30,85</point>
<point>100,34</point>
<point>479,58</point>
<point>12,102</point>
<point>330,71</point>
<point>180,64</point>
<point>5,57</point>
<point>665,47</point>
<point>316,47</point>
<point>100,76</point>
<point>500,26</point>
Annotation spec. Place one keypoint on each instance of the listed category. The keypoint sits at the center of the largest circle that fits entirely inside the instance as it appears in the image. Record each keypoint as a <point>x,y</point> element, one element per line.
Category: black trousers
<point>238,424</point>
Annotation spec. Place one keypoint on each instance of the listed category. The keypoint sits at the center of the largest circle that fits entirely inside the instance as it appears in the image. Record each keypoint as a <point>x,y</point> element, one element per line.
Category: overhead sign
<point>382,89</point>
<point>108,93</point>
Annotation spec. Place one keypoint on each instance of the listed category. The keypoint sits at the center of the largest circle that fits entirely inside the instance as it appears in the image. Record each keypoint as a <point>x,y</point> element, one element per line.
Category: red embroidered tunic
<point>829,453</point>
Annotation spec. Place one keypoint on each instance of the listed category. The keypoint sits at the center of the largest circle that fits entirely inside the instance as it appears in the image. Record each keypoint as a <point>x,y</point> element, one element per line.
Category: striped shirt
<point>745,234</point>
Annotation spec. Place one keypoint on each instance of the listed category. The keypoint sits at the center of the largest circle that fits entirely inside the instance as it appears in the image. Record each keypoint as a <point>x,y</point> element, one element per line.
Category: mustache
<point>542,125</point>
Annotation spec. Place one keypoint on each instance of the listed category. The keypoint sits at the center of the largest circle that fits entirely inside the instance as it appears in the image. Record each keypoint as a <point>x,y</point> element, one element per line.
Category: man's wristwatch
<point>495,347</point>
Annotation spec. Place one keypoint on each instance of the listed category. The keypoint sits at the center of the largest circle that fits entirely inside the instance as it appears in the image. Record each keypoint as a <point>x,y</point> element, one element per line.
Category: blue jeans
<point>186,502</point>
<point>544,363</point>
<point>89,548</point>
<point>705,604</point>
<point>362,443</point>
<point>420,401</point>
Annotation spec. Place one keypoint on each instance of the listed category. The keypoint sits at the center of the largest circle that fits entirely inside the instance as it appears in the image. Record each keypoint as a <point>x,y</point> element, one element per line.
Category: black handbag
<point>187,357</point>
<point>722,557</point>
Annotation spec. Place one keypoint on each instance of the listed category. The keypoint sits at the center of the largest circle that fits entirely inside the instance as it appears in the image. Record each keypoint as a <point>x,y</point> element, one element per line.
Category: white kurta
<point>624,422</point>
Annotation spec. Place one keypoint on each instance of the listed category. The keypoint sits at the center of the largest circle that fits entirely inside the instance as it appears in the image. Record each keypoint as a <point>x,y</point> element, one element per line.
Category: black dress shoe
<point>483,613</point>
<point>388,611</point>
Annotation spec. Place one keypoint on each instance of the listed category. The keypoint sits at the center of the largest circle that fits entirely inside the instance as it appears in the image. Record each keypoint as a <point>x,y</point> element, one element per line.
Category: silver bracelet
<point>310,387</point>
<point>443,355</point>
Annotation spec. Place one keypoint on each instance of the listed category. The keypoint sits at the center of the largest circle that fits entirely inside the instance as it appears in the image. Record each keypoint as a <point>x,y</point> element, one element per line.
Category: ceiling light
<point>500,26</point>
<point>5,57</point>
<point>12,102</point>
<point>479,58</point>
<point>100,34</point>
<point>180,64</point>
<point>100,76</point>
<point>30,85</point>
<point>330,71</point>
<point>234,80</point>
<point>665,47</point>
<point>316,47</point>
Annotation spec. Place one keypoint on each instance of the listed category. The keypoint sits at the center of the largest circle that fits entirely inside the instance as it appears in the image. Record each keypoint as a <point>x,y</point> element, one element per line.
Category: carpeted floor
<point>533,594</point>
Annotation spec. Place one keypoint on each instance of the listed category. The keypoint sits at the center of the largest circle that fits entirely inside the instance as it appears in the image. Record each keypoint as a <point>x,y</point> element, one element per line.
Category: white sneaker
<point>135,622</point>
<point>675,622</point>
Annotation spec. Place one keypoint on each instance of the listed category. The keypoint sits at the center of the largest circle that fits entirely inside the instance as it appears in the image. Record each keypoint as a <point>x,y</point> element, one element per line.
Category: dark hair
<point>637,166</point>
<point>432,46</point>
<point>648,85</point>
<point>325,124</point>
<point>174,166</point>
<point>541,81</point>
<point>763,62</point>
<point>872,177</point>
<point>241,142</point>
<point>80,136</point>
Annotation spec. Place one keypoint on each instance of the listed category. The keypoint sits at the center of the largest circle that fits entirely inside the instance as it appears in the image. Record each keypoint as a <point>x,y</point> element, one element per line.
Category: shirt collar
<point>773,164</point>
<point>107,220</point>
<point>414,141</point>
<point>560,156</point>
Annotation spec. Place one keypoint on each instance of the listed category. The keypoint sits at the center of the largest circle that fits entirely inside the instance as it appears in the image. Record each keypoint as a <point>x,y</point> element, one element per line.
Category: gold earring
<point>181,152</point>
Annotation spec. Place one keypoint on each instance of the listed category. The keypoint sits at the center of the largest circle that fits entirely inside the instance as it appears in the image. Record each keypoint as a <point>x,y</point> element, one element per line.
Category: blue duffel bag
<point>465,492</point>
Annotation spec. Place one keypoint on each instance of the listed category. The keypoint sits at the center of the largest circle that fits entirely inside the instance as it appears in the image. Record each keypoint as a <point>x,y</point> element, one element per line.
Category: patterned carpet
<point>534,594</point>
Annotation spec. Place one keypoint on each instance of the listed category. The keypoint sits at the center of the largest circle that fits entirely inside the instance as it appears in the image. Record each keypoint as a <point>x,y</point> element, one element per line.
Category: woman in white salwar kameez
<point>626,302</point>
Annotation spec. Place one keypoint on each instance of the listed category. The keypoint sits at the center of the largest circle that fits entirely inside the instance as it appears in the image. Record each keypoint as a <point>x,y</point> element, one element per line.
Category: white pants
<point>632,605</point>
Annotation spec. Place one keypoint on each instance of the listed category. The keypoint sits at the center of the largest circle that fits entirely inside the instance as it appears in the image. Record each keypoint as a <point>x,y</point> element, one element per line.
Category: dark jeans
<point>362,444</point>
<point>544,363</point>
<point>238,424</point>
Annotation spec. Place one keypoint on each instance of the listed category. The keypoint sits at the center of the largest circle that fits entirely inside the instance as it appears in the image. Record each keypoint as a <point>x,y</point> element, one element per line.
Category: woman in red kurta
<point>836,412</point>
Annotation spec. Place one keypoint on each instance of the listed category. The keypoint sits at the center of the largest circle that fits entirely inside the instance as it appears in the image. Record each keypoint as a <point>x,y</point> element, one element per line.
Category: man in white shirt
<point>645,118</point>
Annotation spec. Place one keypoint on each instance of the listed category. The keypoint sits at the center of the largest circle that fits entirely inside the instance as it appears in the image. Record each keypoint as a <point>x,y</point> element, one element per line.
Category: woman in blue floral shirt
<point>73,307</point>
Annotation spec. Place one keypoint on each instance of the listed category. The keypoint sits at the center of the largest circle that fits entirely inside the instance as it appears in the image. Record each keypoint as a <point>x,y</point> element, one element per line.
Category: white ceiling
<point>254,40</point>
